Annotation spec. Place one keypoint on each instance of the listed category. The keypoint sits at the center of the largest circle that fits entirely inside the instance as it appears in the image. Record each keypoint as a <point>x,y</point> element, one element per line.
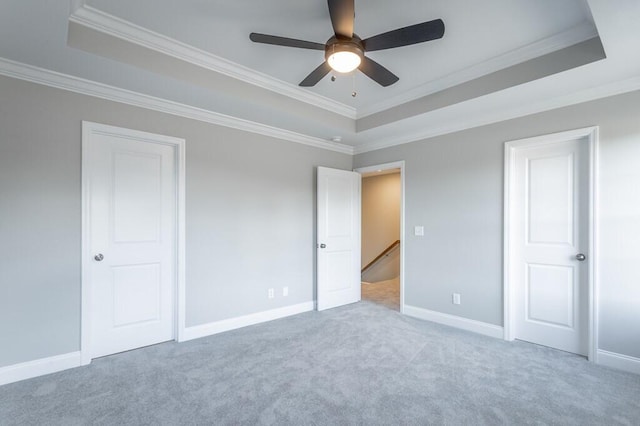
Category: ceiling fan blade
<point>342,13</point>
<point>316,75</point>
<point>284,41</point>
<point>406,36</point>
<point>377,72</point>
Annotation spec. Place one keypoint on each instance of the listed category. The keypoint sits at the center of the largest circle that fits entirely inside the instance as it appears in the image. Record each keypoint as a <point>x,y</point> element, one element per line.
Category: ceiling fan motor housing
<point>338,44</point>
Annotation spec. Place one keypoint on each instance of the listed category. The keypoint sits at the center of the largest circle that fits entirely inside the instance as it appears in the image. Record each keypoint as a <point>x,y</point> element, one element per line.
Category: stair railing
<point>384,253</point>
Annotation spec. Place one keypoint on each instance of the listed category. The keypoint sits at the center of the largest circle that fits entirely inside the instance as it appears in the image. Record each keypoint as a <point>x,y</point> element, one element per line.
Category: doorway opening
<point>382,234</point>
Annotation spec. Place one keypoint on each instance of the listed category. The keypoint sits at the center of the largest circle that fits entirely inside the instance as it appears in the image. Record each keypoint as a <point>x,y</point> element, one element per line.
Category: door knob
<point>581,257</point>
<point>323,246</point>
<point>98,257</point>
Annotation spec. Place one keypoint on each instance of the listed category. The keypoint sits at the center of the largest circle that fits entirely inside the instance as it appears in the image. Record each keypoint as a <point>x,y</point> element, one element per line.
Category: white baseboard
<point>216,327</point>
<point>618,361</point>
<point>39,367</point>
<point>480,327</point>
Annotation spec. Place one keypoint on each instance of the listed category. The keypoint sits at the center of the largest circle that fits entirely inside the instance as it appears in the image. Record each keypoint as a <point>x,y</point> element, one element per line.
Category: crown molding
<point>456,125</point>
<point>99,90</point>
<point>575,35</point>
<point>75,5</point>
<point>97,20</point>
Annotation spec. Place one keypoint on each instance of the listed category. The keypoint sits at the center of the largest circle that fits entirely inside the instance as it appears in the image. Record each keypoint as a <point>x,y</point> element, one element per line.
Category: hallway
<point>384,293</point>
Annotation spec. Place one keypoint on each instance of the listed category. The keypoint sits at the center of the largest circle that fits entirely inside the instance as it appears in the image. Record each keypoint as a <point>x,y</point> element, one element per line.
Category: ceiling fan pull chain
<point>333,74</point>
<point>354,93</point>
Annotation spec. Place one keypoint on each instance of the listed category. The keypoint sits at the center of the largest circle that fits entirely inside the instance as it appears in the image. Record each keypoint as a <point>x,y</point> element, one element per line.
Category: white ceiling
<point>476,32</point>
<point>195,56</point>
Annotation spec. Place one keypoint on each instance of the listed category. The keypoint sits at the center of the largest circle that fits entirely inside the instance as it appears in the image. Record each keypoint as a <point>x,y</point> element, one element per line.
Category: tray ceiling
<point>499,59</point>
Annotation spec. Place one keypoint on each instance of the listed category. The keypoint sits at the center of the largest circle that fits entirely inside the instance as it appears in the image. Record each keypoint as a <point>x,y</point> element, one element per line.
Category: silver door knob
<point>581,257</point>
<point>323,246</point>
<point>98,257</point>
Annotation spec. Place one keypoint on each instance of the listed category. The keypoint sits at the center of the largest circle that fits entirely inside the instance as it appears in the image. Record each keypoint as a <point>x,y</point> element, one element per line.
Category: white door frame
<point>590,135</point>
<point>88,130</point>
<point>389,166</point>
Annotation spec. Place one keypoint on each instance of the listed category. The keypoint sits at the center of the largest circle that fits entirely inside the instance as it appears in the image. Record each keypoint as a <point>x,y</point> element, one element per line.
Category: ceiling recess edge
<point>97,20</point>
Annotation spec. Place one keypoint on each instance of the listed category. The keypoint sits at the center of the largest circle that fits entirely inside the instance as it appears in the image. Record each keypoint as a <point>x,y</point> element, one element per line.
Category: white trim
<point>507,310</point>
<point>91,88</point>
<point>618,361</point>
<point>473,121</point>
<point>389,166</point>
<point>181,240</point>
<point>594,238</point>
<point>203,330</point>
<point>39,367</point>
<point>97,20</point>
<point>575,35</point>
<point>85,276</point>
<point>592,135</point>
<point>89,129</point>
<point>102,91</point>
<point>479,327</point>
<point>75,5</point>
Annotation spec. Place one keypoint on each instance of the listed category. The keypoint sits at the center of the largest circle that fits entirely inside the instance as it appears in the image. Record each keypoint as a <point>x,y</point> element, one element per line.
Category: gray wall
<point>250,216</point>
<point>250,222</point>
<point>454,187</point>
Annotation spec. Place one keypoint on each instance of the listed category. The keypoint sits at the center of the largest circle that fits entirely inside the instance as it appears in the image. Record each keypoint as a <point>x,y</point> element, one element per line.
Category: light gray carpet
<point>385,293</point>
<point>359,364</point>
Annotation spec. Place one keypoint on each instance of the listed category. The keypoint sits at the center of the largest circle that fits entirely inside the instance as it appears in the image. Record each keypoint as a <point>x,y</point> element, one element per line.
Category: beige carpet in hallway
<point>385,293</point>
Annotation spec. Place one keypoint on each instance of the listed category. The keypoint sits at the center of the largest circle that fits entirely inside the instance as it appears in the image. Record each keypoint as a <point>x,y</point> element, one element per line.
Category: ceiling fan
<point>344,51</point>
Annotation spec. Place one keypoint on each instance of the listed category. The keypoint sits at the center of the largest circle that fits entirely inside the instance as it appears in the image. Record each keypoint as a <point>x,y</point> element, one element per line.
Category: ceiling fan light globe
<point>344,61</point>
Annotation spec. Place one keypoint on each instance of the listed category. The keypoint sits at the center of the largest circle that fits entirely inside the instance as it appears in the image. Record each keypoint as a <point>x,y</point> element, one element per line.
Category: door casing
<point>389,166</point>
<point>88,130</point>
<point>590,136</point>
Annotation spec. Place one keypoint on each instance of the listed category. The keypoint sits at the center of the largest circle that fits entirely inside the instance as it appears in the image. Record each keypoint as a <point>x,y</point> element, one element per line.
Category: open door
<point>338,248</point>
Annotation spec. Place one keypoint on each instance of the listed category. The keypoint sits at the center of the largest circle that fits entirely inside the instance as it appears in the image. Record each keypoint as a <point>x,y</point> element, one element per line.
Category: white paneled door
<point>549,238</point>
<point>338,244</point>
<point>131,189</point>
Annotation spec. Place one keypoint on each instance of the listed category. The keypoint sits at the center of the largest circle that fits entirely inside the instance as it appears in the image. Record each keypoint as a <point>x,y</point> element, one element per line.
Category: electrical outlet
<point>285,291</point>
<point>456,298</point>
<point>271,293</point>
